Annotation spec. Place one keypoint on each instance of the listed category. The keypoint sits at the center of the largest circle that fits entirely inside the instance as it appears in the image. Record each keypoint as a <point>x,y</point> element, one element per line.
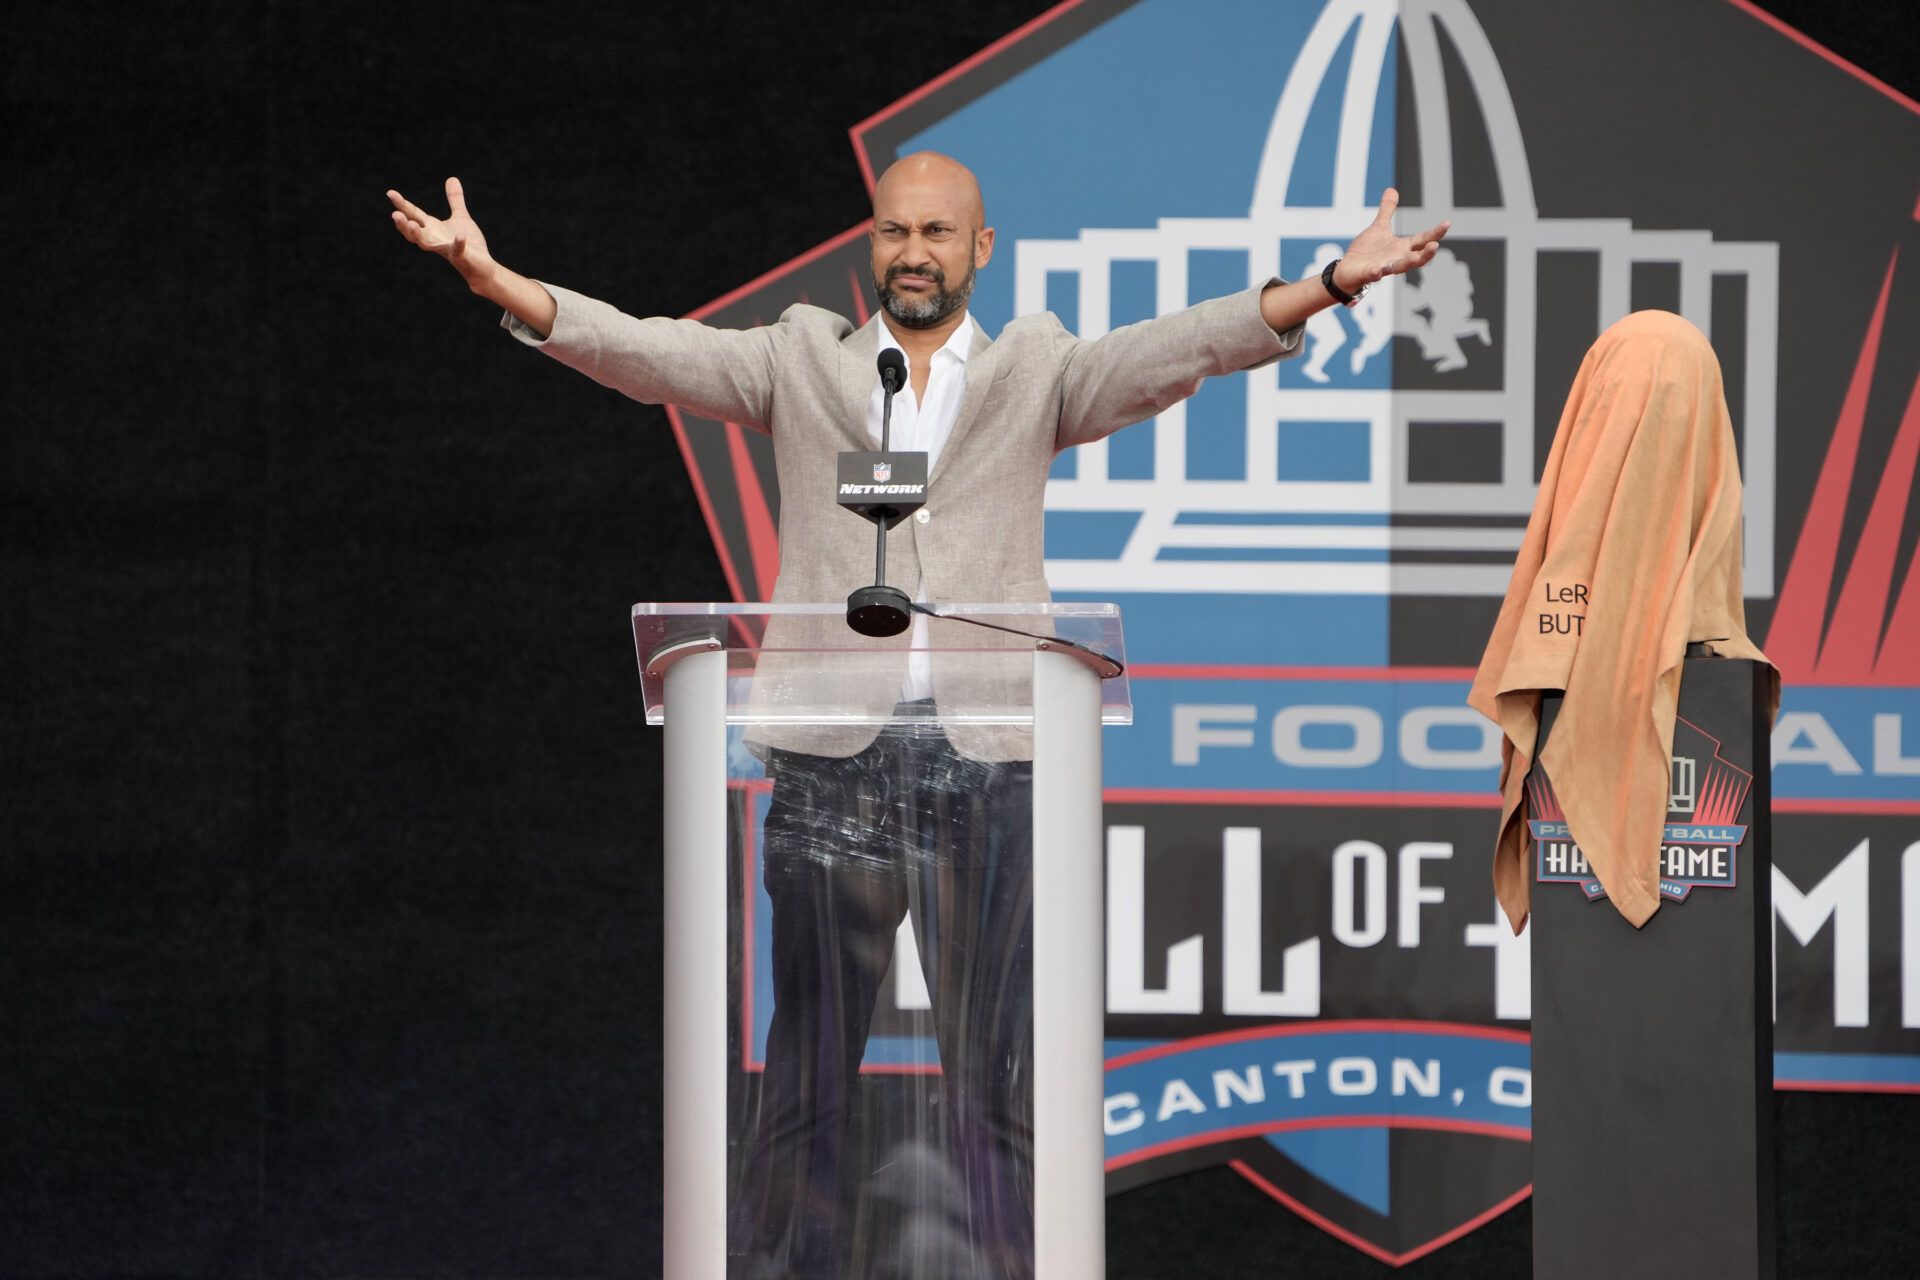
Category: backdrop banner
<point>1307,978</point>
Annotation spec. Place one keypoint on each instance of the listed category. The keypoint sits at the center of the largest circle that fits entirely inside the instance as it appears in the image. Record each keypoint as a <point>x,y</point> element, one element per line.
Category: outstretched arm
<point>723,374</point>
<point>457,238</point>
<point>1135,372</point>
<point>1375,254</point>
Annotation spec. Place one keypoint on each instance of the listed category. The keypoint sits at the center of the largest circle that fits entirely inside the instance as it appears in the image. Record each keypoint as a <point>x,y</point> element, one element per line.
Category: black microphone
<point>893,376</point>
<point>893,370</point>
<point>885,487</point>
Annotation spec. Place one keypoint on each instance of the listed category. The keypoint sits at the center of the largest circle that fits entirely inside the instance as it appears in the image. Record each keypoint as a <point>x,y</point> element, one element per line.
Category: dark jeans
<point>852,845</point>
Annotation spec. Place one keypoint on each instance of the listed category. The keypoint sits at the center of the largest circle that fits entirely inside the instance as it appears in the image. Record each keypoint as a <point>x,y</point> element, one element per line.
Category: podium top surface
<point>802,663</point>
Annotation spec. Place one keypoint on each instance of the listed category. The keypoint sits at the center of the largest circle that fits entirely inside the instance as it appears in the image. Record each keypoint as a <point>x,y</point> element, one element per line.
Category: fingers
<point>1419,256</point>
<point>431,238</point>
<point>406,227</point>
<point>456,197</point>
<point>405,206</point>
<point>1433,235</point>
<point>1379,269</point>
<point>1389,201</point>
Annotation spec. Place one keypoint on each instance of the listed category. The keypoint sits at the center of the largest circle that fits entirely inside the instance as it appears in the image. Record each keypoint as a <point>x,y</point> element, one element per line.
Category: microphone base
<point>879,611</point>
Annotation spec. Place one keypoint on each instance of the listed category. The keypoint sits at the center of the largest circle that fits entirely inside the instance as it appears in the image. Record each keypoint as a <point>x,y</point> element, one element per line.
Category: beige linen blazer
<point>805,380</point>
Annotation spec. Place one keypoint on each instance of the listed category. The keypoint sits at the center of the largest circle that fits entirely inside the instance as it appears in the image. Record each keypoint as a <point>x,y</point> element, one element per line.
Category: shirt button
<point>922,515</point>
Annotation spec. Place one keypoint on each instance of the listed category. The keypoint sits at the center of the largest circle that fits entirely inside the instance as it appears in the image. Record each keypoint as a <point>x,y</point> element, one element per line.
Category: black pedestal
<point>1653,1048</point>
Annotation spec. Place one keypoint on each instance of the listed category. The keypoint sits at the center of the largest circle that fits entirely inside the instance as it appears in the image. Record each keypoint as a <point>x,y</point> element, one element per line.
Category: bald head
<point>928,179</point>
<point>929,237</point>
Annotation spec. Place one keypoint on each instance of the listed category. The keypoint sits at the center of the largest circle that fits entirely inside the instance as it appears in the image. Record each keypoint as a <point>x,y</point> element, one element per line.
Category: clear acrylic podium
<point>883,952</point>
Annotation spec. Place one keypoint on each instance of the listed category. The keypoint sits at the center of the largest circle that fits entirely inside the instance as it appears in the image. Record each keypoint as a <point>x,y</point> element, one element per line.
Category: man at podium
<point>866,825</point>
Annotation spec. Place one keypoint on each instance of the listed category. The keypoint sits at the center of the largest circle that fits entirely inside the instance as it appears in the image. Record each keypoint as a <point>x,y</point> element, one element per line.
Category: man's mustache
<point>932,273</point>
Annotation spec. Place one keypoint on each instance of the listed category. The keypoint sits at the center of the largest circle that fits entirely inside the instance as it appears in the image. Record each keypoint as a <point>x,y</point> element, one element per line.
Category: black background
<point>329,903</point>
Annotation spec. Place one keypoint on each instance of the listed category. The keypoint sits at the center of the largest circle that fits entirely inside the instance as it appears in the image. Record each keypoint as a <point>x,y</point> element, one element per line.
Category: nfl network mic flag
<point>1308,980</point>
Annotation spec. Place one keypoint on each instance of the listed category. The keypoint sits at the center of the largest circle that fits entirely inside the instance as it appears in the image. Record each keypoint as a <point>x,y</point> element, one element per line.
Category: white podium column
<point>1069,988</point>
<point>694,1053</point>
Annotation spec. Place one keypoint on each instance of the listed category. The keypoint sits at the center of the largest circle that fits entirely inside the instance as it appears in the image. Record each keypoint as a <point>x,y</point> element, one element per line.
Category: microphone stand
<point>887,389</point>
<point>881,610</point>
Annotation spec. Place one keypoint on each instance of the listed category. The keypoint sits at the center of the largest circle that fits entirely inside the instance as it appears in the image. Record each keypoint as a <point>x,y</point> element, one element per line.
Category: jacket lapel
<point>980,373</point>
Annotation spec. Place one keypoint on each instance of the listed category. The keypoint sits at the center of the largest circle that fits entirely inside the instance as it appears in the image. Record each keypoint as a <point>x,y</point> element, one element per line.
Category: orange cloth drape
<point>1633,550</point>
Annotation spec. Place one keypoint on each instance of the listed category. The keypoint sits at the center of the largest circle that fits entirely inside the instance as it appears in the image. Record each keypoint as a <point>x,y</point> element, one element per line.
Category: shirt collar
<point>959,343</point>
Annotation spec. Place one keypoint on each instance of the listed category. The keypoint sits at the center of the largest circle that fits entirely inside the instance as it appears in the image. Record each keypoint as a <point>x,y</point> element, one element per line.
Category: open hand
<point>1377,252</point>
<point>456,237</point>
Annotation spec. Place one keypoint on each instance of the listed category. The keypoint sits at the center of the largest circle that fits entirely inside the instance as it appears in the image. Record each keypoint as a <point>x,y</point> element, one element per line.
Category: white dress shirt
<point>923,428</point>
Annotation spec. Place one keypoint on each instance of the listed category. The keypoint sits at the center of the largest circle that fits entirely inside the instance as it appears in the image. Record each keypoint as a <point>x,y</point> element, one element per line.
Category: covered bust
<point>1632,552</point>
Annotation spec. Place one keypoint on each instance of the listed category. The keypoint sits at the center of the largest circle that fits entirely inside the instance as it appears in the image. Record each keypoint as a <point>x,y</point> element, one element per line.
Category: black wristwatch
<point>1340,295</point>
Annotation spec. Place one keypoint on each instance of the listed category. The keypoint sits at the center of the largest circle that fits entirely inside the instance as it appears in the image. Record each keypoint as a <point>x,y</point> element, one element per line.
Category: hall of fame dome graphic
<point>1317,488</point>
